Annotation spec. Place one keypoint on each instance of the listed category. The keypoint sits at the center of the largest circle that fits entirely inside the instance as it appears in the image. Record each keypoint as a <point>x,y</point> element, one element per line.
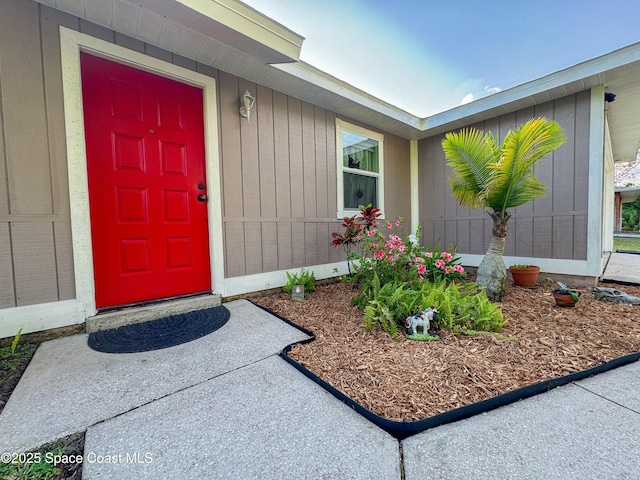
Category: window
<point>360,168</point>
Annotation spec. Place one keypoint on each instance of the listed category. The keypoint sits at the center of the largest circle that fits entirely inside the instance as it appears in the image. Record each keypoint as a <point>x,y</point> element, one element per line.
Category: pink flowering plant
<point>393,259</point>
<point>396,278</point>
<point>439,265</point>
<point>380,252</point>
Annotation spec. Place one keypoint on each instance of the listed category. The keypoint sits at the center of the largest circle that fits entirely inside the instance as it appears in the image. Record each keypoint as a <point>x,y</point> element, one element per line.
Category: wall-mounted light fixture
<point>609,97</point>
<point>246,104</point>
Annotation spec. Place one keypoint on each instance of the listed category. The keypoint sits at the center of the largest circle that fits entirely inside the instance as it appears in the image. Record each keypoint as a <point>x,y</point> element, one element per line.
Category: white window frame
<point>341,126</point>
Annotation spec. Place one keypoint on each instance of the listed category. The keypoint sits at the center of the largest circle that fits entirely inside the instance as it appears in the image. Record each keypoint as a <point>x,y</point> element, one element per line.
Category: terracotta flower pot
<point>564,299</point>
<point>525,277</point>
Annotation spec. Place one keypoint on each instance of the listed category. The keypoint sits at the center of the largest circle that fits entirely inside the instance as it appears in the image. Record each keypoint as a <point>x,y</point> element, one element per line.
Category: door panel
<point>145,164</point>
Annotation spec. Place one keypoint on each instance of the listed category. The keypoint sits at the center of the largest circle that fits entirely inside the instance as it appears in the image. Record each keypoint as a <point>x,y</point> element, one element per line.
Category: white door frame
<point>72,42</point>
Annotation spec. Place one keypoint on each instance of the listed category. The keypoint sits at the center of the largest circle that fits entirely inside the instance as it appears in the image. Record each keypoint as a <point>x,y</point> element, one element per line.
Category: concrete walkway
<point>622,267</point>
<point>226,406</point>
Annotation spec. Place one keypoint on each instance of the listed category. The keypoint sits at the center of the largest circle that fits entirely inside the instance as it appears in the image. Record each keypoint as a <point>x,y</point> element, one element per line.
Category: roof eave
<point>228,32</point>
<point>239,17</point>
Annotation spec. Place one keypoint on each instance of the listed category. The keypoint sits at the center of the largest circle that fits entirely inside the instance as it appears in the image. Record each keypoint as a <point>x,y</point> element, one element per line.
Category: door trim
<point>71,43</point>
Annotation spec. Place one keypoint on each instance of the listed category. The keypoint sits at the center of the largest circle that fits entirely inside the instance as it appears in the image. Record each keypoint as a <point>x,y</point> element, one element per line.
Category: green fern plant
<point>304,278</point>
<point>377,312</point>
<point>462,308</point>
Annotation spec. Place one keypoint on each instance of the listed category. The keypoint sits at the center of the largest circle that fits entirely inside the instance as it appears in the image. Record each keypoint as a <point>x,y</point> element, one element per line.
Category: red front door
<point>147,186</point>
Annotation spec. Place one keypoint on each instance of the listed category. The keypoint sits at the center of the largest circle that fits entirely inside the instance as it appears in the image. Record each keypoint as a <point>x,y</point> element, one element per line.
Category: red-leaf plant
<point>369,216</point>
<point>352,233</point>
<point>353,227</point>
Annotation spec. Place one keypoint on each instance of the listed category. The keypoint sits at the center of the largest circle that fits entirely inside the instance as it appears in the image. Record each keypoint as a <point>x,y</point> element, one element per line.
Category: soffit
<point>226,34</point>
<point>628,194</point>
<point>623,114</point>
<point>618,71</point>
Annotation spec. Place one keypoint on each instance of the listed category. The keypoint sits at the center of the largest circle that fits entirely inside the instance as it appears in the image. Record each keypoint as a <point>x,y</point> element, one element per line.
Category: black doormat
<point>162,333</point>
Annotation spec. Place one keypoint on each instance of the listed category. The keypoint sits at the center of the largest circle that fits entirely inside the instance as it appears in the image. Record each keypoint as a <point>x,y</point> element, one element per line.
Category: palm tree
<point>496,178</point>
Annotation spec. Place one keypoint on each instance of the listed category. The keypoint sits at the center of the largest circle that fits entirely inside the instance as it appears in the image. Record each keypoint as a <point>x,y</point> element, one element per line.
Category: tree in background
<point>631,215</point>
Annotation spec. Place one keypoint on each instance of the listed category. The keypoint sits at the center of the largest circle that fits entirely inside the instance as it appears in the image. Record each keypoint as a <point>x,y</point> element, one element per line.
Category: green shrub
<point>304,278</point>
<point>462,308</point>
<point>398,278</point>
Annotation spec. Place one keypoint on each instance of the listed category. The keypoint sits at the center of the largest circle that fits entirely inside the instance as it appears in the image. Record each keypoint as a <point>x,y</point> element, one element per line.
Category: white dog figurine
<point>423,319</point>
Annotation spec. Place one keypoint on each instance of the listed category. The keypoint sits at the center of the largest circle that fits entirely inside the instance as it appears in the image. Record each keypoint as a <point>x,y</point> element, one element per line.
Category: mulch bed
<point>404,379</point>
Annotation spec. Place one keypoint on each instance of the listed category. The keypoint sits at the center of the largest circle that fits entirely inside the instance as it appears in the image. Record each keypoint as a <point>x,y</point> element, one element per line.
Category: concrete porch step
<point>144,313</point>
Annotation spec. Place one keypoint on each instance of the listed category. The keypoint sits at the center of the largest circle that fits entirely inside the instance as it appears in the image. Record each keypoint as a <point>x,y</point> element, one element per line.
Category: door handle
<point>202,198</point>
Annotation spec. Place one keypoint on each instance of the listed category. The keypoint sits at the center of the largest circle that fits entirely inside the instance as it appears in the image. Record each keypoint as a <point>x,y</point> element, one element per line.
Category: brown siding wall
<point>279,181</point>
<point>36,263</point>
<point>278,169</point>
<point>554,226</point>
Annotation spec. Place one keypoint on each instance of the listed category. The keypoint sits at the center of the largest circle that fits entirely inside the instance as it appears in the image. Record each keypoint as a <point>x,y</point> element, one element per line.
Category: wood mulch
<point>404,379</point>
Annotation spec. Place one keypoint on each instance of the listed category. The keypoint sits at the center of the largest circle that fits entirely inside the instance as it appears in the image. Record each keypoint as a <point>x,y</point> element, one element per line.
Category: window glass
<point>359,152</point>
<point>360,190</point>
<point>360,168</point>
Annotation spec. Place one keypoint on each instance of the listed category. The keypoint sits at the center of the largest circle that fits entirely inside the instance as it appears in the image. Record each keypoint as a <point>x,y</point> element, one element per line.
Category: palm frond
<point>522,190</point>
<point>470,154</point>
<point>513,182</point>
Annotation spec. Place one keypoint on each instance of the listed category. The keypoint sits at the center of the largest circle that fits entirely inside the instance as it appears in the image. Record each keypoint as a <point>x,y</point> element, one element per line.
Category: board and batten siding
<point>553,226</point>
<point>278,169</point>
<point>279,181</point>
<point>36,264</point>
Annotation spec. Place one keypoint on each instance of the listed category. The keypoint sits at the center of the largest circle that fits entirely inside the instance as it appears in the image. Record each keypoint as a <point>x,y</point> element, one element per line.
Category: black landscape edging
<point>402,430</point>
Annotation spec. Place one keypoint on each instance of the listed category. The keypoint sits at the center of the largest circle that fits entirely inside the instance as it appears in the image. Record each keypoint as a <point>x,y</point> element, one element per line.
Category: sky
<point>432,55</point>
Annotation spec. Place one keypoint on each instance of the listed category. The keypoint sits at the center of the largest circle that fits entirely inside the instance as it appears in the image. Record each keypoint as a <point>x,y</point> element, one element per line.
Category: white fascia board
<point>314,76</point>
<point>579,77</point>
<point>249,22</point>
